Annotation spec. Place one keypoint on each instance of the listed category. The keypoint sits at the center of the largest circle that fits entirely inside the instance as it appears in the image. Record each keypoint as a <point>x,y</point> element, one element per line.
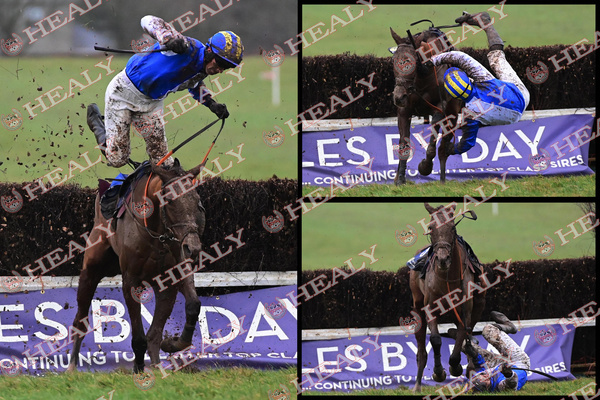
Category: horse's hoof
<point>425,167</point>
<point>439,377</point>
<point>456,370</point>
<point>399,180</point>
<point>417,389</point>
<point>137,369</point>
<point>173,345</point>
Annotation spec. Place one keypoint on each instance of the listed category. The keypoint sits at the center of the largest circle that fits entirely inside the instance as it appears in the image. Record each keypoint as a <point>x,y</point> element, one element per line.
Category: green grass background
<point>335,232</point>
<point>222,384</point>
<point>524,25</point>
<point>249,103</point>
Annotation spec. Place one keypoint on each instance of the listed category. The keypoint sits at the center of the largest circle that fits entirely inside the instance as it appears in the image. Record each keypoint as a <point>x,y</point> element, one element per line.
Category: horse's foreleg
<point>192,310</point>
<point>443,157</point>
<point>426,165</point>
<point>439,374</point>
<point>404,130</point>
<point>421,351</point>
<point>165,301</point>
<point>455,368</point>
<point>139,344</point>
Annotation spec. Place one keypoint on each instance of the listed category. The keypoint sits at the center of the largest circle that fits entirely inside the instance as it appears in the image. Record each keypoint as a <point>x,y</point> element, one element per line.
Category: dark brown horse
<point>449,272</point>
<point>421,94</point>
<point>140,253</point>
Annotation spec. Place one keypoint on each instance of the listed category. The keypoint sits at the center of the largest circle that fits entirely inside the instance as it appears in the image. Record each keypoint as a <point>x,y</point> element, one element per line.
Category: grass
<point>338,231</point>
<point>60,134</point>
<point>223,384</point>
<point>560,388</point>
<point>534,186</point>
<point>523,26</point>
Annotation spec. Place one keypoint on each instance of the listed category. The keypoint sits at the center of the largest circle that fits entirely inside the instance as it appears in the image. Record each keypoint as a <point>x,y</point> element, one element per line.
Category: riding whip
<point>99,48</point>
<point>537,372</point>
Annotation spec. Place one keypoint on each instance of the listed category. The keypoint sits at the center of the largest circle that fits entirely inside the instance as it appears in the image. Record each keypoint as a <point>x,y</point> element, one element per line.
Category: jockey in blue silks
<point>488,101</point>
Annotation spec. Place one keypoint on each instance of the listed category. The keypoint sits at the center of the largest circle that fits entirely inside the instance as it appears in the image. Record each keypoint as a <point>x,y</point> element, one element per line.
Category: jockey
<point>136,94</point>
<point>489,101</point>
<point>493,372</point>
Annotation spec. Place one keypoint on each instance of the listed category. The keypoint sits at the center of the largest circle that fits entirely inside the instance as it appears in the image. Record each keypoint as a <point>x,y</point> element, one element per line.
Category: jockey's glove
<point>177,45</point>
<point>506,370</point>
<point>219,109</point>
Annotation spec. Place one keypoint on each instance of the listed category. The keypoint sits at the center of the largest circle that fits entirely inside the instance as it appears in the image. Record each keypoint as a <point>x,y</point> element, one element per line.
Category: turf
<point>535,186</point>
<point>336,232</point>
<point>223,384</point>
<point>523,26</point>
<point>60,134</point>
<point>561,388</point>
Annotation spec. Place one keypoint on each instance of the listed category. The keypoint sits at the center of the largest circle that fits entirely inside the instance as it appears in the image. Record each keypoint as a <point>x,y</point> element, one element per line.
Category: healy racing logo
<point>540,161</point>
<point>274,138</point>
<point>143,209</point>
<point>273,223</point>
<point>405,64</point>
<point>545,337</point>
<point>13,121</point>
<point>12,47</point>
<point>144,380</point>
<point>144,44</point>
<point>276,309</point>
<point>9,367</point>
<point>404,151</point>
<point>544,248</point>
<point>407,237</point>
<point>13,203</point>
<point>283,394</point>
<point>12,284</point>
<point>410,325</point>
<point>274,58</point>
<point>142,294</point>
<point>537,74</point>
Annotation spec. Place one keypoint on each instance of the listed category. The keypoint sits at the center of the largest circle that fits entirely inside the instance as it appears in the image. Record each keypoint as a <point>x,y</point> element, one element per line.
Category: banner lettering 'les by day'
<point>257,328</point>
<point>392,362</point>
<point>547,146</point>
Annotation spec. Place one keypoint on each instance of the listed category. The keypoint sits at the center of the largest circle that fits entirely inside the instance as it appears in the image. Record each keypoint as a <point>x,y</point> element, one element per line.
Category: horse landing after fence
<point>141,248</point>
<point>419,92</point>
<point>447,273</point>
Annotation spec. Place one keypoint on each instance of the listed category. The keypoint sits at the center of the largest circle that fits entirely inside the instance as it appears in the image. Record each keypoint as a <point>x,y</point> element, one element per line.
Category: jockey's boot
<point>96,125</point>
<point>483,21</point>
<point>503,323</point>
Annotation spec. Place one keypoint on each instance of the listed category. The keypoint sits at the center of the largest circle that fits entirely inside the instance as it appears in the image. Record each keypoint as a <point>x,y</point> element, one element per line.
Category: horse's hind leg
<point>443,157</point>
<point>99,261</point>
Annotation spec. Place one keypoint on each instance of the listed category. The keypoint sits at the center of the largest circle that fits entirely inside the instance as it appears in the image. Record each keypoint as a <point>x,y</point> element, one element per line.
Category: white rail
<point>205,279</point>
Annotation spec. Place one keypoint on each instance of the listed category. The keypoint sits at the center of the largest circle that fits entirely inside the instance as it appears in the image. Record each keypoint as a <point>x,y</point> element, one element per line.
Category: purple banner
<point>256,328</point>
<point>387,362</point>
<point>521,149</point>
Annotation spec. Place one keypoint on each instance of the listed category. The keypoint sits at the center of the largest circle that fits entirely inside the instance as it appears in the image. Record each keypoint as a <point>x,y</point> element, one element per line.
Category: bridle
<point>168,235</point>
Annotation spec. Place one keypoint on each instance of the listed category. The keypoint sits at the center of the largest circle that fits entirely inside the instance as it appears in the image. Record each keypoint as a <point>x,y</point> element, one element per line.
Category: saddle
<point>114,196</point>
<point>473,263</point>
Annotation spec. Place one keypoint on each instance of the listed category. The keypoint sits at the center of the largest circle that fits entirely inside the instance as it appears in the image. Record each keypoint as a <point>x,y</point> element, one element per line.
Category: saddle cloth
<point>114,196</point>
<point>424,259</point>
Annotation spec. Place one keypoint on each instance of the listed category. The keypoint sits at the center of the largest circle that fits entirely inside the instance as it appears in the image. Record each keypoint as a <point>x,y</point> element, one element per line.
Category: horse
<point>142,248</point>
<point>447,273</point>
<point>421,94</point>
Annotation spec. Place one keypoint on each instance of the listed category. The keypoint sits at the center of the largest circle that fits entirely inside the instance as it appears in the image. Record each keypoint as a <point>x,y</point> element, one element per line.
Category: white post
<point>275,97</point>
<point>495,209</point>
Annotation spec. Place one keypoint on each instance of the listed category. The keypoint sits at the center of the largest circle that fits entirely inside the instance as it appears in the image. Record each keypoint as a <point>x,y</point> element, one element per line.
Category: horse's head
<point>182,214</point>
<point>405,69</point>
<point>443,232</point>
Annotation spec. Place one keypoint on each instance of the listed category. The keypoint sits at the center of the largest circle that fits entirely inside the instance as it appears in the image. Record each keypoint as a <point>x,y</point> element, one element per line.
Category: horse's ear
<point>395,36</point>
<point>196,170</point>
<point>430,209</point>
<point>453,207</point>
<point>160,171</point>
